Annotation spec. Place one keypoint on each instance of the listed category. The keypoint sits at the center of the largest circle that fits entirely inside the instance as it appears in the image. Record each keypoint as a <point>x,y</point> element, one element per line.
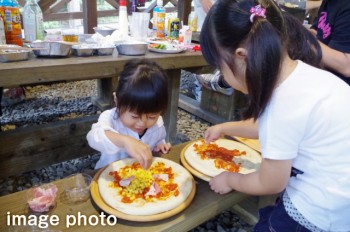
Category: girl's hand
<point>164,148</point>
<point>213,133</point>
<point>140,151</point>
<point>220,183</point>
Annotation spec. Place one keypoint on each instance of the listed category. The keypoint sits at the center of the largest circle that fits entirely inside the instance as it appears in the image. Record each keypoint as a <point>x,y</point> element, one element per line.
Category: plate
<point>169,51</point>
<point>95,194</point>
<point>198,167</point>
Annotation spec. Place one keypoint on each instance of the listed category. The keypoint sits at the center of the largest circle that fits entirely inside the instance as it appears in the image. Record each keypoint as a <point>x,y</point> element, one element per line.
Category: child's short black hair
<point>142,88</point>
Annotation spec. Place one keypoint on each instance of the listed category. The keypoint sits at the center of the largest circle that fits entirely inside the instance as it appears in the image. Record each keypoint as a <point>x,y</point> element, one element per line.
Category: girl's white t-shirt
<point>308,121</point>
<point>109,120</point>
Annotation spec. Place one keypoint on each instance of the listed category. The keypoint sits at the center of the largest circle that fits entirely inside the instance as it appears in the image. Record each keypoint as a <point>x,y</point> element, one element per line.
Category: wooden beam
<point>113,3</point>
<point>183,10</point>
<point>45,4</point>
<point>76,15</point>
<point>35,147</point>
<point>55,7</point>
<point>90,16</point>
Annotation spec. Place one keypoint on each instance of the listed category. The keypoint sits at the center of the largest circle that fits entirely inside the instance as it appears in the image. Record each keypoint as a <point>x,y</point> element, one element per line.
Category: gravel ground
<point>68,100</point>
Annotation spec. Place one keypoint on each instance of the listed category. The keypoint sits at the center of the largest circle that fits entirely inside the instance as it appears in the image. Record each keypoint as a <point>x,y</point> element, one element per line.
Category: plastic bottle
<point>158,9</point>
<point>193,21</point>
<point>9,10</point>
<point>123,19</point>
<point>32,21</point>
<point>160,19</point>
<point>2,32</point>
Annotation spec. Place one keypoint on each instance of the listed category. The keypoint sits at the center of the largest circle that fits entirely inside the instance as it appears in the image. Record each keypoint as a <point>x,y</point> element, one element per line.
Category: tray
<point>137,218</point>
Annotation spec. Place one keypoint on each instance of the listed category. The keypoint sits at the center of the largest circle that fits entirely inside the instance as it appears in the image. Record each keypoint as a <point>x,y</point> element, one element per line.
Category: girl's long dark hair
<point>142,88</point>
<point>228,26</point>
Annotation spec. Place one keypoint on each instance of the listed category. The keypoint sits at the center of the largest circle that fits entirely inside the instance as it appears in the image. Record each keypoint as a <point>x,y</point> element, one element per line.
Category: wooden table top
<point>38,70</point>
<point>205,205</point>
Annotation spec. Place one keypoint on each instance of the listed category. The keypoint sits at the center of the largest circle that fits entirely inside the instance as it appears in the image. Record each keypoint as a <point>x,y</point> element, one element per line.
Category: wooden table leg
<point>105,88</point>
<point>170,116</point>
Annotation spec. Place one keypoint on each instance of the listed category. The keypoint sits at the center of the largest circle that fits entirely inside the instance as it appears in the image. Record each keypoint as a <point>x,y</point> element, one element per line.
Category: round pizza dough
<point>250,162</point>
<point>182,177</point>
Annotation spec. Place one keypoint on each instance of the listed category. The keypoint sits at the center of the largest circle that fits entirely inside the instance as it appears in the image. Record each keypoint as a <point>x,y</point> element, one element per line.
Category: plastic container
<point>123,19</point>
<point>159,10</point>
<point>9,10</point>
<point>32,21</point>
<point>185,36</point>
<point>77,187</point>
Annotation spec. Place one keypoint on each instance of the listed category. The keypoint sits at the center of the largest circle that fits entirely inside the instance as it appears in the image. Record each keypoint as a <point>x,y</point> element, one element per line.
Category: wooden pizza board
<point>190,168</point>
<point>253,143</point>
<point>95,193</point>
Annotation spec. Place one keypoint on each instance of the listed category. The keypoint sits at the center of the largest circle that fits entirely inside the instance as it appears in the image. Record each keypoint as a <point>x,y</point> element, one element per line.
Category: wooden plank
<point>26,149</point>
<point>90,16</point>
<point>76,15</point>
<point>192,106</point>
<point>113,3</point>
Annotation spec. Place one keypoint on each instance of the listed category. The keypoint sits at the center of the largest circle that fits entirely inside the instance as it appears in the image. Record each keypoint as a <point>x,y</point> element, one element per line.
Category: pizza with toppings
<point>127,187</point>
<point>222,155</point>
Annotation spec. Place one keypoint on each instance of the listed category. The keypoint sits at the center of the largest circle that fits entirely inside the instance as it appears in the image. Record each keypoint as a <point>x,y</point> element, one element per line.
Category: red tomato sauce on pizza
<point>133,182</point>
<point>223,157</point>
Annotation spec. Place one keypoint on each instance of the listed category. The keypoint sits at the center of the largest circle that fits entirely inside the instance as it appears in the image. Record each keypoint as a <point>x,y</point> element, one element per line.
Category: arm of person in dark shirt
<point>334,59</point>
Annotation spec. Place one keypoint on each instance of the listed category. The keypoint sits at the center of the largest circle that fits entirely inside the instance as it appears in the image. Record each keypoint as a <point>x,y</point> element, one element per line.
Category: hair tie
<point>257,10</point>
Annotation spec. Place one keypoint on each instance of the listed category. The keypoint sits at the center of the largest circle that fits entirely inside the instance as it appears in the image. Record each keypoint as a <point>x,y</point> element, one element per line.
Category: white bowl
<point>104,31</point>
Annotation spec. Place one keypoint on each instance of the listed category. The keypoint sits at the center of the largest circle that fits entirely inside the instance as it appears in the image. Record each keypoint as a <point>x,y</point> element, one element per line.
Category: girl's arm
<point>272,178</point>
<point>105,139</point>
<point>246,129</point>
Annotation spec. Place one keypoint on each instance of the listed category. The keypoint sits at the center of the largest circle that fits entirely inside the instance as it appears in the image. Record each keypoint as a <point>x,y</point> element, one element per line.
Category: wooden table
<point>49,142</point>
<point>205,205</point>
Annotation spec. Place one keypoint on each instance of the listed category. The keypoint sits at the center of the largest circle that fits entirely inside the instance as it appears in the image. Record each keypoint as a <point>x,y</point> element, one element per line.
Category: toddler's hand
<point>164,148</point>
<point>140,151</point>
<point>212,133</point>
<point>220,183</point>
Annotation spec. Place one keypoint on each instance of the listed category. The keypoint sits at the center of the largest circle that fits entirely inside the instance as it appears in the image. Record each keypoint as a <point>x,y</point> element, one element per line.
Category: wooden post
<point>183,10</point>
<point>90,15</point>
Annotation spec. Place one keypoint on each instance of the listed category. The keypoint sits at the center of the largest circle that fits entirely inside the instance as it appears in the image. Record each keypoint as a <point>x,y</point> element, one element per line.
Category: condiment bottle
<point>32,21</point>
<point>123,19</point>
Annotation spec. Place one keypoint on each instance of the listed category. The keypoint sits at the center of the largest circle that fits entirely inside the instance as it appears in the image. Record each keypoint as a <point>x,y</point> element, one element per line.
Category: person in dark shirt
<point>332,29</point>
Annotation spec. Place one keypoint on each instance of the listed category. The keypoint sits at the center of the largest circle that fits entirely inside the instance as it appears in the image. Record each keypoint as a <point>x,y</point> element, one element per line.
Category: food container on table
<point>9,53</point>
<point>104,51</point>
<point>104,31</point>
<point>132,48</point>
<point>83,50</point>
<point>52,49</point>
<point>77,187</point>
<point>41,198</point>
